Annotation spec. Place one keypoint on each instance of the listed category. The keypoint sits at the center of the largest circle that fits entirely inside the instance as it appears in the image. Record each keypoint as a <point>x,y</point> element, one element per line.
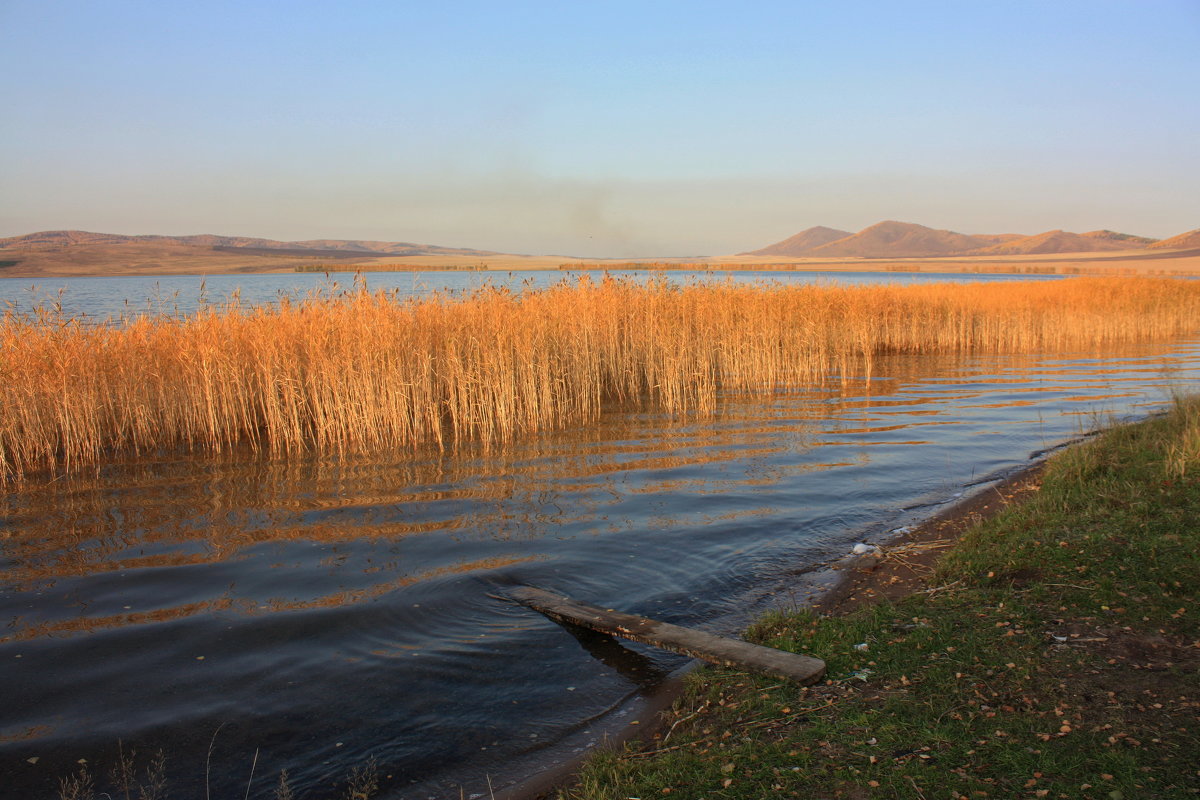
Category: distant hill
<point>1066,242</point>
<point>892,239</point>
<point>1181,242</point>
<point>804,242</point>
<point>51,240</point>
<point>68,253</point>
<point>76,253</point>
<point>884,239</point>
<point>1126,240</point>
<point>996,238</point>
<point>899,238</point>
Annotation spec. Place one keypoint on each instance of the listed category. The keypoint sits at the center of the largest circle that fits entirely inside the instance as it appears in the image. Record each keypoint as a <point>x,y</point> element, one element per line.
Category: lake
<point>310,614</point>
<point>183,294</point>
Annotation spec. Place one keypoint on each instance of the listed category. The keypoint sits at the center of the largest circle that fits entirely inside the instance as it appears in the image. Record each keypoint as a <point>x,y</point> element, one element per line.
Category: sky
<point>609,129</point>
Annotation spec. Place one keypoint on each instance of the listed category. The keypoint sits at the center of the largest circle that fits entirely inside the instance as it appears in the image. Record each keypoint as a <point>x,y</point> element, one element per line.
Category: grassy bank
<point>370,372</point>
<point>1055,654</point>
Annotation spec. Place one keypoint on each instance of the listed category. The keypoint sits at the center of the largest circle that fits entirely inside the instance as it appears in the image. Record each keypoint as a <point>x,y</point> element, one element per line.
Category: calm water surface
<point>324,611</point>
<point>101,297</point>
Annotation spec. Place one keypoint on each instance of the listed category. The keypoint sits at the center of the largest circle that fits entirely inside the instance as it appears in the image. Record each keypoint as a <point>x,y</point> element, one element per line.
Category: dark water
<point>310,615</point>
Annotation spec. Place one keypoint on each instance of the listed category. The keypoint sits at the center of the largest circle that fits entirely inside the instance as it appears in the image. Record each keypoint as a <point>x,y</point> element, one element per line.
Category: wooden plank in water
<point>697,644</point>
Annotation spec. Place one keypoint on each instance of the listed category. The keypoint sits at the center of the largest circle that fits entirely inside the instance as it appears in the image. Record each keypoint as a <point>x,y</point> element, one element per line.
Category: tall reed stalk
<point>371,372</point>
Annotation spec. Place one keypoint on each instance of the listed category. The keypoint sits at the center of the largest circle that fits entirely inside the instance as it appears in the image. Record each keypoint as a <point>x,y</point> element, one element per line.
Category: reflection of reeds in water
<point>226,602</point>
<point>148,514</point>
<point>367,372</point>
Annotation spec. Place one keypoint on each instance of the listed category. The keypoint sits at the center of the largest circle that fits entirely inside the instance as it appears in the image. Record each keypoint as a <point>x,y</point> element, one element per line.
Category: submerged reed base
<point>368,371</point>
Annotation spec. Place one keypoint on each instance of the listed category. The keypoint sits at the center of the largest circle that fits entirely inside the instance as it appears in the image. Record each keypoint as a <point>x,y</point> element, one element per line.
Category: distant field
<point>173,259</point>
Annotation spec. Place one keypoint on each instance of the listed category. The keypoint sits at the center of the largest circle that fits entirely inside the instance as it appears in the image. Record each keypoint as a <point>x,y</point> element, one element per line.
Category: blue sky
<point>598,129</point>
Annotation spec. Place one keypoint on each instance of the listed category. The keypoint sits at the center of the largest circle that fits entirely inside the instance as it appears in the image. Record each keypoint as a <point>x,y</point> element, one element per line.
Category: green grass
<point>1057,657</point>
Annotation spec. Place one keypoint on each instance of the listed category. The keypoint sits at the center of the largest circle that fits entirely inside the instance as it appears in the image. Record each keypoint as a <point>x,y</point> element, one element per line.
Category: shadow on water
<point>323,611</point>
<point>634,667</point>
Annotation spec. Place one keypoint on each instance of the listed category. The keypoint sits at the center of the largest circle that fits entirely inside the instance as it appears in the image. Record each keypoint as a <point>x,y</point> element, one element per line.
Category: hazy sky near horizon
<point>600,129</point>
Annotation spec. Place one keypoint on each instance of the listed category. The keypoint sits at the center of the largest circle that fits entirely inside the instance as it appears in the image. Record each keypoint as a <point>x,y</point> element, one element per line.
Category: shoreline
<point>903,563</point>
<point>1053,653</point>
<point>900,567</point>
<point>50,265</point>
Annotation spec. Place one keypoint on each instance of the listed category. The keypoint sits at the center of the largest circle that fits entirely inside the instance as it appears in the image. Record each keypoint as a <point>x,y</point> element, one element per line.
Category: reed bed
<point>368,371</point>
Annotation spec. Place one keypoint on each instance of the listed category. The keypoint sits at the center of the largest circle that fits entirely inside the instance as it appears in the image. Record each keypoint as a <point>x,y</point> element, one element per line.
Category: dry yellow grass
<point>370,372</point>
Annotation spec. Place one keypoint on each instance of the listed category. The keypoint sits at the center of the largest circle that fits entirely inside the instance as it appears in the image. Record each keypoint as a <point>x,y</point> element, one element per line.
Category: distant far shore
<point>144,260</point>
<point>888,246</point>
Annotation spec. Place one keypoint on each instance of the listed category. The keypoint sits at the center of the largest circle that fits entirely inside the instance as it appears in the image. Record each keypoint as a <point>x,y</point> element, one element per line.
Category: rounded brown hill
<point>802,243</point>
<point>1183,241</point>
<point>61,240</point>
<point>893,239</point>
<point>1067,242</point>
<point>888,239</point>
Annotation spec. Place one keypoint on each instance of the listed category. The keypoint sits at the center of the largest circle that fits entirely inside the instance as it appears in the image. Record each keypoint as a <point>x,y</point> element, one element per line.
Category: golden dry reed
<point>370,372</point>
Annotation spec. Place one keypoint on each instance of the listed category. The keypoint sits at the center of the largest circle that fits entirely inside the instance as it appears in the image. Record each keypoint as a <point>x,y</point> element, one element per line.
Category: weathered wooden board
<point>697,644</point>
